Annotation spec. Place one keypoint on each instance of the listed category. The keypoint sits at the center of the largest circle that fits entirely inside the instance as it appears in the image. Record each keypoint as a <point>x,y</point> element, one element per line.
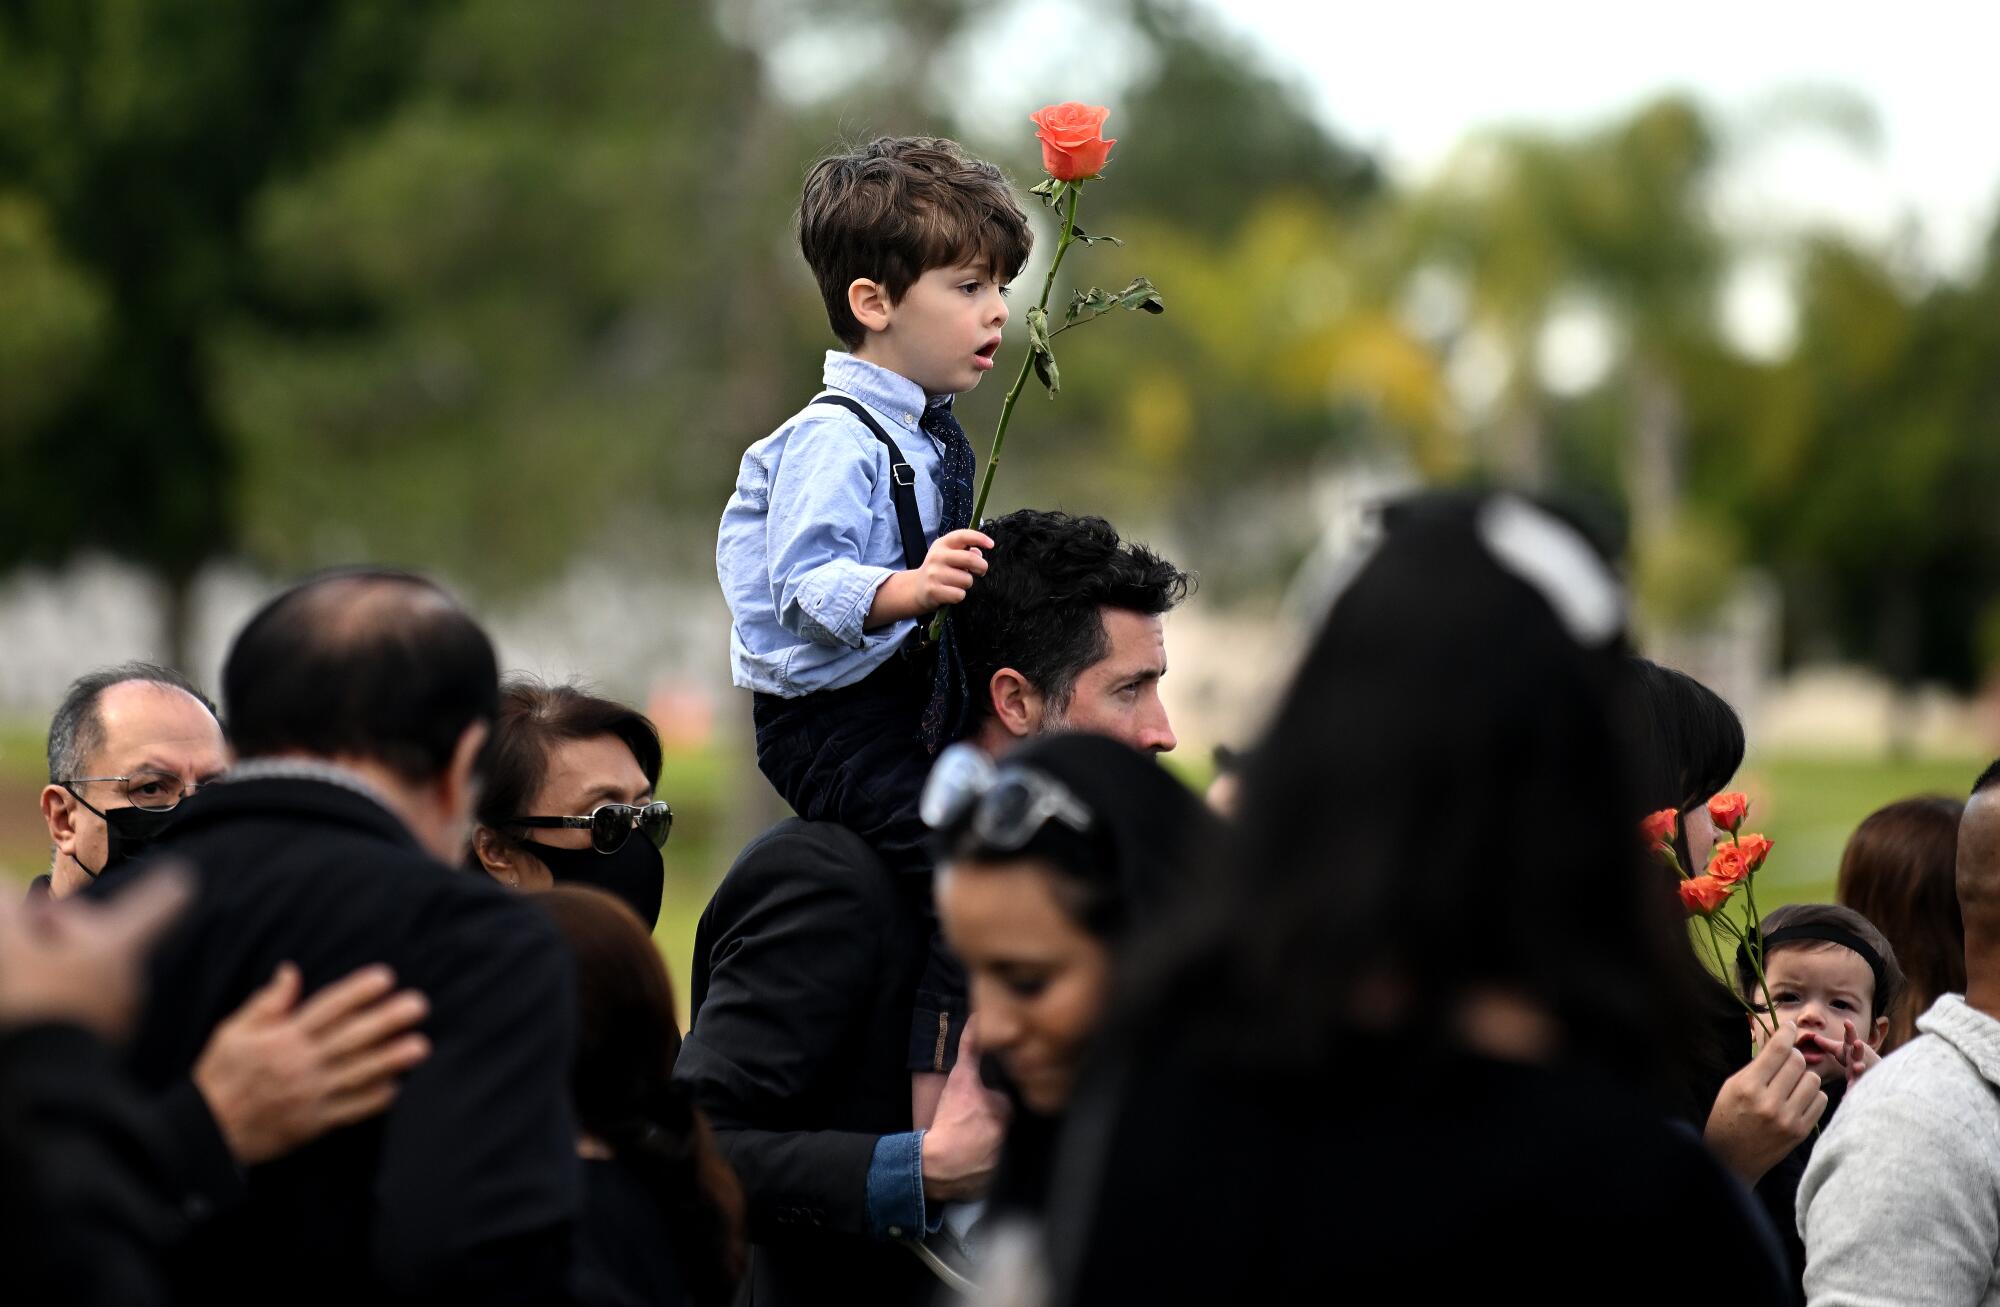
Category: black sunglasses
<point>611,824</point>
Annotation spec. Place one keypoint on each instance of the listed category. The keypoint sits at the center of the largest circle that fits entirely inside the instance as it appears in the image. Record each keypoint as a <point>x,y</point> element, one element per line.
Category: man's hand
<point>278,1074</point>
<point>79,962</point>
<point>1765,1110</point>
<point>948,571</point>
<point>962,1146</point>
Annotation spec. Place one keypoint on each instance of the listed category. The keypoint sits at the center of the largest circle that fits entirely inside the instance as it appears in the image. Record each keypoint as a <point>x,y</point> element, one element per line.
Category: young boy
<point>850,524</point>
<point>1833,975</point>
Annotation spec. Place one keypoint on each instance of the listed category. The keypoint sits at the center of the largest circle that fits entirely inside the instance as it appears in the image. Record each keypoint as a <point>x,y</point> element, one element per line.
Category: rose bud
<point>1727,810</point>
<point>1659,828</point>
<point>1703,895</point>
<point>1072,137</point>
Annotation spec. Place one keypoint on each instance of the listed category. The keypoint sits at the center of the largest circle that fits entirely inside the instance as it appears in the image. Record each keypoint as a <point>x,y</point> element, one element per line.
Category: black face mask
<point>128,832</point>
<point>635,873</point>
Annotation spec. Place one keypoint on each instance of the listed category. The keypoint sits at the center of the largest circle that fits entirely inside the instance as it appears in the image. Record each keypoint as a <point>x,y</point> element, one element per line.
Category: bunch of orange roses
<point>1732,867</point>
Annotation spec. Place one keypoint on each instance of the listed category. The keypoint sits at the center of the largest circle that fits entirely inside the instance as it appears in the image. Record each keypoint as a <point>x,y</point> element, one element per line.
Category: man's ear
<point>870,303</point>
<point>59,814</point>
<point>459,786</point>
<point>1017,704</point>
<point>1881,1033</point>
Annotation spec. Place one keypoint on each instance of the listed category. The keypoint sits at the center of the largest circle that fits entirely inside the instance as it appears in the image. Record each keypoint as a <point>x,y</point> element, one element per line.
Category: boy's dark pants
<point>852,756</point>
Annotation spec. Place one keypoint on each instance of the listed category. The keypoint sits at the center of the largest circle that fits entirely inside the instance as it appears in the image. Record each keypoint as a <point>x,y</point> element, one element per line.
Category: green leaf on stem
<point>1038,348</point>
<point>1087,304</point>
<point>1142,295</point>
<point>1079,234</point>
<point>1050,190</point>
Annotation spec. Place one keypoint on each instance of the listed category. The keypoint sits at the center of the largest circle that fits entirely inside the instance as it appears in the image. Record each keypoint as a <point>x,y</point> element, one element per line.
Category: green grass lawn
<point>1807,806</point>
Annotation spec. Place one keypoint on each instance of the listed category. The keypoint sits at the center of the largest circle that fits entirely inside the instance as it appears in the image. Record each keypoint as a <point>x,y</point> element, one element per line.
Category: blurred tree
<point>134,136</point>
<point>1868,472</point>
<point>571,241</point>
<point>1527,220</point>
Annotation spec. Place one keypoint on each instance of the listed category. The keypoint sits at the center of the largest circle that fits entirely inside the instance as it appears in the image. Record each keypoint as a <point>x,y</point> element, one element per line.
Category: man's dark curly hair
<point>1037,609</point>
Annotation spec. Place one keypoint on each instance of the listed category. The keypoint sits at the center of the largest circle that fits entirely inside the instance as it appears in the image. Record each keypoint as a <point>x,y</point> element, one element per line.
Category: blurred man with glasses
<point>125,746</point>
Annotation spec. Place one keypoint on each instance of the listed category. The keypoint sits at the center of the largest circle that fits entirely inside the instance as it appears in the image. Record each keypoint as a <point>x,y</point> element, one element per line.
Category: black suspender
<point>902,483</point>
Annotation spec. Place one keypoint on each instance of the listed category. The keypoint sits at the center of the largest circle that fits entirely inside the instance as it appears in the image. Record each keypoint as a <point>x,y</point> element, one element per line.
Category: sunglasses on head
<point>1006,806</point>
<point>612,823</point>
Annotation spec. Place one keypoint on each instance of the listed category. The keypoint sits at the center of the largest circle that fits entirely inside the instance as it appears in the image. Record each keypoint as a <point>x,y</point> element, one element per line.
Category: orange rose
<point>1072,137</point>
<point>1755,849</point>
<point>1727,811</point>
<point>1703,895</point>
<point>1659,828</point>
<point>1730,864</point>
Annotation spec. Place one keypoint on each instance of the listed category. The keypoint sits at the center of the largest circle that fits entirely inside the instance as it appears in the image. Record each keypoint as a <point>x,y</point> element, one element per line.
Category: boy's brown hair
<point>898,207</point>
<point>1830,916</point>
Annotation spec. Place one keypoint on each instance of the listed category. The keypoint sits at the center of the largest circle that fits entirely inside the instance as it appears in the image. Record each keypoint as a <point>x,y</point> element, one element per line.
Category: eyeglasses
<point>155,791</point>
<point>611,824</point>
<point>1007,805</point>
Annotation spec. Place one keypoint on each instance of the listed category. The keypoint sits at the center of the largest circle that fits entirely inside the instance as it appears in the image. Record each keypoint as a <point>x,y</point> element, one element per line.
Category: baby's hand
<point>1856,1054</point>
<point>950,568</point>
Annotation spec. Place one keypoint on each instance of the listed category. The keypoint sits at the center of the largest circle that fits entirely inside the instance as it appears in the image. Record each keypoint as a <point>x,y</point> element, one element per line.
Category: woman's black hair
<point>623,1088</point>
<point>1144,823</point>
<point>1687,741</point>
<point>1442,806</point>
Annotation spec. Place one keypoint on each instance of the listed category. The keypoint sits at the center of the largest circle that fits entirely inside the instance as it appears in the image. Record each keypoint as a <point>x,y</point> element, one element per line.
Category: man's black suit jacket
<point>466,1190</point>
<point>806,963</point>
<point>85,1212</point>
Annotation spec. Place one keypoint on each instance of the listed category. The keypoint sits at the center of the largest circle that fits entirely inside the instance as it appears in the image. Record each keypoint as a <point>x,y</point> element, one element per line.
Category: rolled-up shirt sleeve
<point>896,1187</point>
<point>822,507</point>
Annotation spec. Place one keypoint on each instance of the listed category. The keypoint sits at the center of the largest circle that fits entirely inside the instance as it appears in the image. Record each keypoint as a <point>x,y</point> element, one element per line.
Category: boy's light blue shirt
<point>810,534</point>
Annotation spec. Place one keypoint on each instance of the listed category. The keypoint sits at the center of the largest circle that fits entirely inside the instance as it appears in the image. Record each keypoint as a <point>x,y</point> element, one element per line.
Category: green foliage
<point>479,286</point>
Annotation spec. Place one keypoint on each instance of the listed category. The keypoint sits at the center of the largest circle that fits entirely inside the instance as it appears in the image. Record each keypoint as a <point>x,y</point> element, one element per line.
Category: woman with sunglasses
<point>569,796</point>
<point>1050,858</point>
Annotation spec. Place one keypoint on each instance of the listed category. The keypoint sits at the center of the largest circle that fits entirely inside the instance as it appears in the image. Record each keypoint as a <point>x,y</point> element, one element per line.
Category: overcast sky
<point>1410,78</point>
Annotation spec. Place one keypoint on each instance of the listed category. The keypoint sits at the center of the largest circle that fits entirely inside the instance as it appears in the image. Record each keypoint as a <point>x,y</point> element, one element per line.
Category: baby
<point>1833,975</point>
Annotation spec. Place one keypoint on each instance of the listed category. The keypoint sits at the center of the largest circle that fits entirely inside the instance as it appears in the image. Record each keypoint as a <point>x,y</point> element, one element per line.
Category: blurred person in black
<point>663,1217</point>
<point>809,957</point>
<point>86,1214</point>
<point>568,797</point>
<point>1419,1023</point>
<point>358,705</point>
<point>1049,861</point>
<point>126,745</point>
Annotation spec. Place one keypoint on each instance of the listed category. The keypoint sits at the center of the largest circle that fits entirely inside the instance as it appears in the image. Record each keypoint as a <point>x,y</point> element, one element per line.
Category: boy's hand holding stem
<point>948,571</point>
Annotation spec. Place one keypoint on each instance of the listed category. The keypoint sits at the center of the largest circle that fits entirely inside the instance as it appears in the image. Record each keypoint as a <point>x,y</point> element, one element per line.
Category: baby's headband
<point>1831,934</point>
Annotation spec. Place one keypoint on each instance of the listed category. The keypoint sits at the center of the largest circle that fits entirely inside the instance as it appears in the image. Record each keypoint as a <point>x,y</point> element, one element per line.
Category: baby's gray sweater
<point>1900,1204</point>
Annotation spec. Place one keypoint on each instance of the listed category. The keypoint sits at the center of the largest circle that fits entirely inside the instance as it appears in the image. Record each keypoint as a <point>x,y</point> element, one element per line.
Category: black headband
<point>1829,933</point>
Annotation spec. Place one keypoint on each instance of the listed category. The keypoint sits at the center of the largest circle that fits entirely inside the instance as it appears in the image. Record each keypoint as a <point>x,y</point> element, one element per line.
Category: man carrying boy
<point>807,955</point>
<point>849,525</point>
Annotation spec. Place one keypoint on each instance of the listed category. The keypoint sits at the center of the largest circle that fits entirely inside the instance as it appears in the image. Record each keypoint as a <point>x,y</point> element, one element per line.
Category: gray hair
<point>76,732</point>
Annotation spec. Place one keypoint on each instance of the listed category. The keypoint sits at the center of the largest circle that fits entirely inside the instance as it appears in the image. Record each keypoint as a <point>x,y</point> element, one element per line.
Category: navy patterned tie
<point>944,715</point>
